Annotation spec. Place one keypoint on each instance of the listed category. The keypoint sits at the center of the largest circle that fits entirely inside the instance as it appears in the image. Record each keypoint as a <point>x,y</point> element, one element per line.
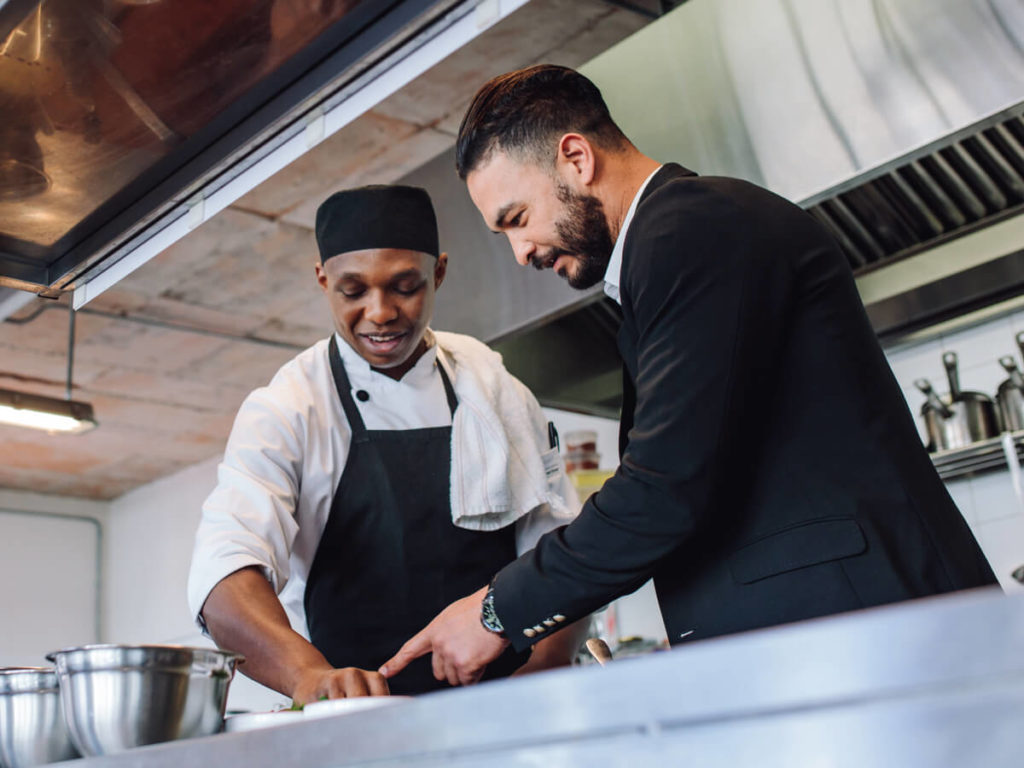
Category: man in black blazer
<point>770,469</point>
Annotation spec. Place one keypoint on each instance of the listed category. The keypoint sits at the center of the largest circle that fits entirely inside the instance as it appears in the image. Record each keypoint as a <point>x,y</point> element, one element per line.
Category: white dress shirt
<point>613,275</point>
<point>284,460</point>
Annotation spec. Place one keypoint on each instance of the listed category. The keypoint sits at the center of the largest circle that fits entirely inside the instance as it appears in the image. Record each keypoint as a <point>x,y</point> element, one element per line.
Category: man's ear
<point>321,276</point>
<point>440,270</point>
<point>576,161</point>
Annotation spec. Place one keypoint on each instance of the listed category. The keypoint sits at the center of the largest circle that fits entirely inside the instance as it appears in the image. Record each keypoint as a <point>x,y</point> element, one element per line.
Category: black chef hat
<point>377,216</point>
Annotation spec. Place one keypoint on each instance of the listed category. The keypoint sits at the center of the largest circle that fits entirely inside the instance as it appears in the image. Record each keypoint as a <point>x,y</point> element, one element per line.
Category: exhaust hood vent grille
<point>920,200</point>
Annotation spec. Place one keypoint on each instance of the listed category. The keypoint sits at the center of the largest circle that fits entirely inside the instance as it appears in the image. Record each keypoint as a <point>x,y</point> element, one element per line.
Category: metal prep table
<point>936,682</point>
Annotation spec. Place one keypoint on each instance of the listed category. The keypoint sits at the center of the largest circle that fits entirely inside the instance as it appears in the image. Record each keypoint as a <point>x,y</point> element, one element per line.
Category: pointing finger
<point>419,645</point>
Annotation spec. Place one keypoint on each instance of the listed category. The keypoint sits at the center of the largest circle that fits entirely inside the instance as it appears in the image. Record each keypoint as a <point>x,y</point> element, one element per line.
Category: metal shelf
<point>977,457</point>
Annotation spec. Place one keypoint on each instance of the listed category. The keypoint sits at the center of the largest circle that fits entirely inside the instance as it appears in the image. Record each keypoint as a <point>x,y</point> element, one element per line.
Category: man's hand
<point>461,646</point>
<point>349,682</point>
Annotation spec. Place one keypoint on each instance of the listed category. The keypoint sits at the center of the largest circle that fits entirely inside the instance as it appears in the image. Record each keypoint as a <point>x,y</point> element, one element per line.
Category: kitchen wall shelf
<point>977,457</point>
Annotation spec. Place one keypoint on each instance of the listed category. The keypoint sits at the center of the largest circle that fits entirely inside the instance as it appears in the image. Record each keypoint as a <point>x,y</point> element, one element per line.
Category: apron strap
<point>341,383</point>
<point>449,391</point>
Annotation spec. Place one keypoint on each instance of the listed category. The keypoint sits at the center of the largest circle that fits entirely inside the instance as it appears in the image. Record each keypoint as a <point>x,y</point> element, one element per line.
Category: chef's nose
<point>523,250</point>
<point>379,310</point>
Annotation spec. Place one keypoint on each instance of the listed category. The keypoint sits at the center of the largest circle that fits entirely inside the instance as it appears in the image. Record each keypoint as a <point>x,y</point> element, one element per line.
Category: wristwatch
<point>488,617</point>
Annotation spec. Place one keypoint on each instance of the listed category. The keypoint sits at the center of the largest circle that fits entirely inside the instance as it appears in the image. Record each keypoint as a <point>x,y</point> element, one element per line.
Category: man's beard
<point>584,234</point>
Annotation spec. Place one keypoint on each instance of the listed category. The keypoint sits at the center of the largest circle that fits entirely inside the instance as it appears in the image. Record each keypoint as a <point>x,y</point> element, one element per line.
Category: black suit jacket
<point>771,470</point>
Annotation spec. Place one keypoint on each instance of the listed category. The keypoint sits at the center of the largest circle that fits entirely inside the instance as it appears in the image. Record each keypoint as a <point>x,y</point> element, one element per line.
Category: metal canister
<point>1010,396</point>
<point>961,418</point>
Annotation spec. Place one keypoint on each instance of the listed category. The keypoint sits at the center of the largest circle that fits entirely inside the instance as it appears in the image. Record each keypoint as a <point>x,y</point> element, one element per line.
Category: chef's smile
<point>382,344</point>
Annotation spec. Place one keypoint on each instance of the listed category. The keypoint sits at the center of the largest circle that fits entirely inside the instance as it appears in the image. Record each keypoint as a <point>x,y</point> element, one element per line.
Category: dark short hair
<point>526,111</point>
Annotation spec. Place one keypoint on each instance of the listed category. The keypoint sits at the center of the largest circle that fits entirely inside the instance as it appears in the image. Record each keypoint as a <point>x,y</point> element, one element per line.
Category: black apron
<point>390,558</point>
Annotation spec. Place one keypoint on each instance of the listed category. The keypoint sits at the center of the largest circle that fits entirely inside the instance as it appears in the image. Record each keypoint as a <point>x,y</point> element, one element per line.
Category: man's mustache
<point>547,260</point>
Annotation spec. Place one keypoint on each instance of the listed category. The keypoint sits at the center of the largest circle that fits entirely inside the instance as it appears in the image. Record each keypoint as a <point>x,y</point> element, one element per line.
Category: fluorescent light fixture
<point>49,414</point>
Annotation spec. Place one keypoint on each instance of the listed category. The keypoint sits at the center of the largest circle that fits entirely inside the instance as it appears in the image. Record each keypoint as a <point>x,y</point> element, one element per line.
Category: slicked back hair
<point>525,112</point>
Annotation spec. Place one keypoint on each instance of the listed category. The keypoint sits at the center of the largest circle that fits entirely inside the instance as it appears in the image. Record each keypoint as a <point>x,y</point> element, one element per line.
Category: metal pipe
<point>158,324</point>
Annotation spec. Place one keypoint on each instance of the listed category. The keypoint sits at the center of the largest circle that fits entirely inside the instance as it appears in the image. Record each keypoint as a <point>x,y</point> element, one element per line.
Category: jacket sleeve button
<point>558,617</point>
<point>529,632</point>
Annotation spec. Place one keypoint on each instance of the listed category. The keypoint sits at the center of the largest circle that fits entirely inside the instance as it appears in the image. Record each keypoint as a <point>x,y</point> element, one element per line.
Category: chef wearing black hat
<point>334,532</point>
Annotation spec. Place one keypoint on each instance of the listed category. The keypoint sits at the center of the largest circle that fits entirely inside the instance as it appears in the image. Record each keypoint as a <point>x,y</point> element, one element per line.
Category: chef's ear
<point>440,270</point>
<point>321,276</point>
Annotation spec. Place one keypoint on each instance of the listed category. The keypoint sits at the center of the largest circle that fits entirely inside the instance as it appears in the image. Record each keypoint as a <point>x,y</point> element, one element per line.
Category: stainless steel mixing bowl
<point>121,696</point>
<point>32,730</point>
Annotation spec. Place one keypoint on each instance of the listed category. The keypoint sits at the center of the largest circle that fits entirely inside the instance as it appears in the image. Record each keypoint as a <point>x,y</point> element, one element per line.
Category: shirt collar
<point>361,375</point>
<point>613,275</point>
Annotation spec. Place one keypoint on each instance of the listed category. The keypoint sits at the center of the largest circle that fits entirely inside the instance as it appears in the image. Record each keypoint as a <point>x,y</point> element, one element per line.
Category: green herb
<point>296,707</point>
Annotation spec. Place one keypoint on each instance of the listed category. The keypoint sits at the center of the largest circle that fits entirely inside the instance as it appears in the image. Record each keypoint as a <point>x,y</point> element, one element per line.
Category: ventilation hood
<point>897,123</point>
<point>127,124</point>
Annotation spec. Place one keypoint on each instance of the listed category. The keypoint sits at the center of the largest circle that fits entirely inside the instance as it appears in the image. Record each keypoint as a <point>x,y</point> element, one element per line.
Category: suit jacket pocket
<point>811,543</point>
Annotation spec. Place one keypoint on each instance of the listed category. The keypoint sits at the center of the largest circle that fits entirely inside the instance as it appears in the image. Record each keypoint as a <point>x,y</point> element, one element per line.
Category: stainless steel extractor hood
<point>960,183</point>
<point>897,123</point>
<point>126,125</point>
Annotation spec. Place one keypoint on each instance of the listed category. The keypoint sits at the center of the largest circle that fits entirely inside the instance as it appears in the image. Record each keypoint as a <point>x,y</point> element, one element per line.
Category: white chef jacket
<point>285,457</point>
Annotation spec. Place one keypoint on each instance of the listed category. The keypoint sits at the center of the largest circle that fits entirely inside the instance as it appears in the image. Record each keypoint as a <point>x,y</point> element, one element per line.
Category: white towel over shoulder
<point>500,454</point>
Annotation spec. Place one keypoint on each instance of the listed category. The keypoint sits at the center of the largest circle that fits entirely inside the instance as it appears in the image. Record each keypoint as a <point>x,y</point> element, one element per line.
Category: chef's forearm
<point>244,614</point>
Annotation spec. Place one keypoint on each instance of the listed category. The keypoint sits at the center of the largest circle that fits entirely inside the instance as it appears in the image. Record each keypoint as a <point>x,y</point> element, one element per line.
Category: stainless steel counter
<point>937,682</point>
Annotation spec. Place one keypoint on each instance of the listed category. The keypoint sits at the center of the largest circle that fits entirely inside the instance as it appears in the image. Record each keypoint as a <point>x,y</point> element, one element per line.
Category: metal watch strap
<point>488,616</point>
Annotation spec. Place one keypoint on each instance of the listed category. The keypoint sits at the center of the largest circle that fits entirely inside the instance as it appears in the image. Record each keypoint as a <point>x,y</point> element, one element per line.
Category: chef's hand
<point>348,682</point>
<point>461,646</point>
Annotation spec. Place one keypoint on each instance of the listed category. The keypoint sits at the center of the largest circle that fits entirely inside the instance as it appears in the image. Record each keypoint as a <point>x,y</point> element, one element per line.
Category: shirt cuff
<point>200,585</point>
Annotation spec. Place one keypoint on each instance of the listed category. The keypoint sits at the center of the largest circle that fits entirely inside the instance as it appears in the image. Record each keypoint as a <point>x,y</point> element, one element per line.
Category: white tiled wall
<point>49,597</point>
<point>987,501</point>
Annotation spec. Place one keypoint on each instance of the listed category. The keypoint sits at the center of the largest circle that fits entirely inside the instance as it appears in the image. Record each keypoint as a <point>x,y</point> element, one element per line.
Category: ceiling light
<point>49,414</point>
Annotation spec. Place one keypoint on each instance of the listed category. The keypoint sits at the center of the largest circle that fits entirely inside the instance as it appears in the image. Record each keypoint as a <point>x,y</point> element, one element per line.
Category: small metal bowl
<point>117,697</point>
<point>32,729</point>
